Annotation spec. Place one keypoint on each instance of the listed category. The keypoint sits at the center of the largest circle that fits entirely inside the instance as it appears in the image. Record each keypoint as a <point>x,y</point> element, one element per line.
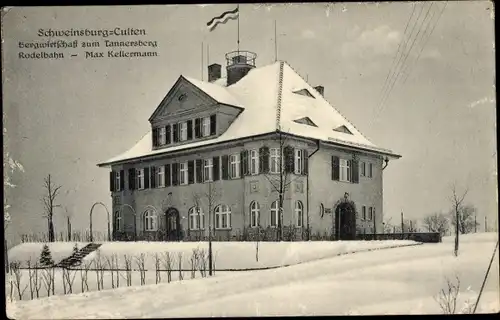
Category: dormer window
<point>343,129</point>
<point>205,126</point>
<point>304,92</point>
<point>306,121</point>
<point>183,131</point>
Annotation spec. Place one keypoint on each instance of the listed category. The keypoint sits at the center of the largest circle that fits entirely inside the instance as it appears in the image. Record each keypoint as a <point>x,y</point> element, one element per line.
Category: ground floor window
<point>196,218</point>
<point>222,217</point>
<point>254,214</point>
<point>150,221</point>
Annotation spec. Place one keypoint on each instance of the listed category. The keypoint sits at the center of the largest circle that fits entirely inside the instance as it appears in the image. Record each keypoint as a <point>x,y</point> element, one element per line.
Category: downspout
<point>307,189</point>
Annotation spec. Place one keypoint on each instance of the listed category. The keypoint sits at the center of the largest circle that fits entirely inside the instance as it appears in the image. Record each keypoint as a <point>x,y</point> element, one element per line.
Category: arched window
<point>222,217</point>
<point>274,214</point>
<point>150,220</point>
<point>254,214</point>
<point>196,218</point>
<point>321,210</point>
<point>299,209</point>
<point>118,223</point>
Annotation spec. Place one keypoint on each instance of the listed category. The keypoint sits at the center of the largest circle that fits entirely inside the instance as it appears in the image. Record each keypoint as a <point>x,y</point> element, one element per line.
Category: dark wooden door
<point>173,225</point>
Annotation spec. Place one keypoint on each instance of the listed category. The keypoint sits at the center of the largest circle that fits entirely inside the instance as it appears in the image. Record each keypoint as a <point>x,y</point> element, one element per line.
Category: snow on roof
<point>219,93</point>
<point>257,93</point>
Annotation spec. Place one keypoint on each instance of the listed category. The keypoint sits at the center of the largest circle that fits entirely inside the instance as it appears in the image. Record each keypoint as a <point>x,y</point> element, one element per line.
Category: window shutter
<point>168,133</point>
<point>264,159</point>
<point>199,170</point>
<point>175,174</point>
<point>289,159</point>
<point>213,124</point>
<point>355,170</point>
<point>155,137</point>
<point>225,167</point>
<point>197,128</point>
<point>122,180</point>
<point>190,130</point>
<point>305,162</point>
<point>190,172</point>
<point>243,163</point>
<point>168,175</point>
<point>153,177</point>
<point>176,132</point>
<point>216,168</point>
<point>371,170</point>
<point>131,178</point>
<point>146,178</point>
<point>335,168</point>
<point>112,181</point>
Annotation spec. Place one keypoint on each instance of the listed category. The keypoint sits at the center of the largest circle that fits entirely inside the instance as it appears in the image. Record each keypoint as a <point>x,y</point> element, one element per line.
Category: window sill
<point>151,230</point>
<point>222,229</point>
<point>160,187</point>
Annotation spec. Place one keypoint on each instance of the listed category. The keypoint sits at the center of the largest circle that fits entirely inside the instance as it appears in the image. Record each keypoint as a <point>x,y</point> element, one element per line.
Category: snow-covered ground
<point>394,281</point>
<point>30,251</point>
<point>271,254</point>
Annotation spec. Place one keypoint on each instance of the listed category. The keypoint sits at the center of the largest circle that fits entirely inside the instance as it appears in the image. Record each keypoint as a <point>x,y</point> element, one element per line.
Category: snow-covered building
<point>212,157</point>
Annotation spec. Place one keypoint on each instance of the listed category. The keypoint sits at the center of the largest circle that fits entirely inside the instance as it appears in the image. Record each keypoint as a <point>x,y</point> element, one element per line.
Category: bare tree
<point>447,298</point>
<point>283,164</point>
<point>49,204</point>
<point>457,207</point>
<point>68,223</point>
<point>437,222</point>
<point>467,219</point>
<point>212,196</point>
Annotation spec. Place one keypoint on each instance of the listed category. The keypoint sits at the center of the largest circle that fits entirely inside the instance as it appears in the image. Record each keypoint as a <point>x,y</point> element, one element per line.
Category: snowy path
<point>402,280</point>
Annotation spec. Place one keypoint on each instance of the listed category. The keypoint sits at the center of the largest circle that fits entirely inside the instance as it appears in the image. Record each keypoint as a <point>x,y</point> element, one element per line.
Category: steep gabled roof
<point>267,94</point>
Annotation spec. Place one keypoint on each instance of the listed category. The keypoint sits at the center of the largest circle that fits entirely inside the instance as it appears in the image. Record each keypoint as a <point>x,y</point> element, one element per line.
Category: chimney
<point>214,72</point>
<point>239,63</point>
<point>321,90</point>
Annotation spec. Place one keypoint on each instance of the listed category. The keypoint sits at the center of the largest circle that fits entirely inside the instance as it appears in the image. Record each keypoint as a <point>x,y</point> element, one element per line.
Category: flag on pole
<point>223,18</point>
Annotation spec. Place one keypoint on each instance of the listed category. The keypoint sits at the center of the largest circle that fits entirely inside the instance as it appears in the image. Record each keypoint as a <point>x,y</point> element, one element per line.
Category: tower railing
<point>241,57</point>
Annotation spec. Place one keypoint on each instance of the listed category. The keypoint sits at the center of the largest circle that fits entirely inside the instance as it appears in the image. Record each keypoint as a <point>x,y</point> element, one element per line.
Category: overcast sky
<point>65,116</point>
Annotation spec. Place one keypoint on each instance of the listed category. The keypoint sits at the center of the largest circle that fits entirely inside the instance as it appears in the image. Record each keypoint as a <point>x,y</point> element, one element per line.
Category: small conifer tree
<point>46,257</point>
<point>75,249</point>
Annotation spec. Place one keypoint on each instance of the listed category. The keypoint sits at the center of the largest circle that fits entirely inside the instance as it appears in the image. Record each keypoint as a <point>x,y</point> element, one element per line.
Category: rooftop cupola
<point>239,63</point>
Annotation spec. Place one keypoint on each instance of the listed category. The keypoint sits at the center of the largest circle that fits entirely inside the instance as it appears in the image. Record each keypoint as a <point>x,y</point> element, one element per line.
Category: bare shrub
<point>195,256</point>
<point>157,268</point>
<point>128,269</point>
<point>167,262</point>
<point>113,267</point>
<point>99,270</point>
<point>447,297</point>
<point>48,277</point>
<point>84,275</point>
<point>68,280</point>
<point>214,259</point>
<point>18,278</point>
<point>179,260</point>
<point>31,276</point>
<point>141,265</point>
<point>202,263</point>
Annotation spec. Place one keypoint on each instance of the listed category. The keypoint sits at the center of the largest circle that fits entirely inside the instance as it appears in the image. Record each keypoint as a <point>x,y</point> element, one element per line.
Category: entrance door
<point>345,222</point>
<point>173,225</point>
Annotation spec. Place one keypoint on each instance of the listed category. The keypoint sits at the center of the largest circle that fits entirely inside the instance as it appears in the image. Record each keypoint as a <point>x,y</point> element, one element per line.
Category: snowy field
<point>395,281</point>
<point>270,254</point>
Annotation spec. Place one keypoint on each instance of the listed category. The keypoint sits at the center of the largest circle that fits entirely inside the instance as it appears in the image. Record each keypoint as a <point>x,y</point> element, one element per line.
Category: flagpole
<point>208,55</point>
<point>202,61</point>
<point>238,29</point>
